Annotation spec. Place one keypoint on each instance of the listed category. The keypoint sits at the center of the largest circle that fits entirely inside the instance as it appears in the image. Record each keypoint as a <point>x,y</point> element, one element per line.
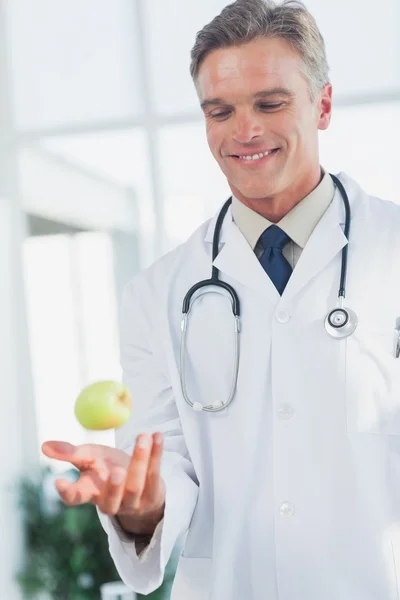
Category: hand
<point>112,480</point>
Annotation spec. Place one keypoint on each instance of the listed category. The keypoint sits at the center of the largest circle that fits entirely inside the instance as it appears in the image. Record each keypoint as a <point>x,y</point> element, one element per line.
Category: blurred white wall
<point>102,146</point>
<point>18,444</point>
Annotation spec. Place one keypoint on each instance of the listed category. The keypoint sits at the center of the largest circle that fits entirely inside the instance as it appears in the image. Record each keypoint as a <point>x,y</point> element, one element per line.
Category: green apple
<point>103,405</point>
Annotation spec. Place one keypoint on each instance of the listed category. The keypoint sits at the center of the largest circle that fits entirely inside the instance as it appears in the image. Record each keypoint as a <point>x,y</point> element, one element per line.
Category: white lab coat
<point>293,492</point>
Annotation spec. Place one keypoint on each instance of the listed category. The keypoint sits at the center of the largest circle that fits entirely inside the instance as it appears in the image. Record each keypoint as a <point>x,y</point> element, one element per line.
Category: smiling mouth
<point>254,158</point>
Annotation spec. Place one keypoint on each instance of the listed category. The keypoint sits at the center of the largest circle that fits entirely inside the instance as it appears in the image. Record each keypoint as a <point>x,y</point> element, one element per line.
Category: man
<point>292,492</point>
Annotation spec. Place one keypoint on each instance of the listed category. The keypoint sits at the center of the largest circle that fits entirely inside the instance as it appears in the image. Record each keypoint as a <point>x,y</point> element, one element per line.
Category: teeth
<point>255,156</point>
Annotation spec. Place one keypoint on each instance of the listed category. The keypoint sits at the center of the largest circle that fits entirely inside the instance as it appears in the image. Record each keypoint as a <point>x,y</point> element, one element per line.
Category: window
<point>72,318</point>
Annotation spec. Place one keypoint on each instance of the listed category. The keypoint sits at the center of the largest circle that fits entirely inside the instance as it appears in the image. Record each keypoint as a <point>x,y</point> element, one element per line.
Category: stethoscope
<point>339,322</point>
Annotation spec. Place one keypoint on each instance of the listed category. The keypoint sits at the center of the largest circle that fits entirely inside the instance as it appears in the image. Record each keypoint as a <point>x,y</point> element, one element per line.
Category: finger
<point>86,489</point>
<point>110,499</point>
<point>152,484</point>
<point>136,477</point>
<point>83,457</point>
<point>59,450</point>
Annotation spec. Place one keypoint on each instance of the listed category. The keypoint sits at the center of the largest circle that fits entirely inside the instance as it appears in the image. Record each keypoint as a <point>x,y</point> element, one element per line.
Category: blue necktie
<point>272,260</point>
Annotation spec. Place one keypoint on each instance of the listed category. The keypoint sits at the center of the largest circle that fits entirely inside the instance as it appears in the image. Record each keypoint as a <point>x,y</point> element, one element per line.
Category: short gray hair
<point>246,20</point>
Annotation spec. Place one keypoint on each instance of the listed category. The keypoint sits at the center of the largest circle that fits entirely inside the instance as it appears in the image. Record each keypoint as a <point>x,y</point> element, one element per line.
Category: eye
<point>270,106</point>
<point>220,115</point>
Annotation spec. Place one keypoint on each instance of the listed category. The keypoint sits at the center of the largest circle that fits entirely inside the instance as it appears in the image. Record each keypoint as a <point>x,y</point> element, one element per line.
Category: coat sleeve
<point>153,409</point>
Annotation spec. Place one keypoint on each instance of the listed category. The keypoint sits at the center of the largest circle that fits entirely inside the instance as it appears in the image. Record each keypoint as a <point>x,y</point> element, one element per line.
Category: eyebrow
<point>279,91</point>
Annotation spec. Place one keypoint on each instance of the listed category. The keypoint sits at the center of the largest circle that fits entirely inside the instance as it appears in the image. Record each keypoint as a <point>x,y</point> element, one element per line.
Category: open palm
<point>113,480</point>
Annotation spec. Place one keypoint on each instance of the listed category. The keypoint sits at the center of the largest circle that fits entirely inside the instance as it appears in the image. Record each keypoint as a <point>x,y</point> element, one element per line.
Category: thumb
<point>85,456</point>
<point>60,450</point>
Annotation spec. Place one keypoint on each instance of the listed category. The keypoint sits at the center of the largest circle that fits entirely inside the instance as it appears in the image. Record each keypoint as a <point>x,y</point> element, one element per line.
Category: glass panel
<point>362,141</point>
<point>121,157</point>
<point>193,184</point>
<point>57,190</point>
<point>73,62</point>
<point>53,337</point>
<point>96,298</point>
<point>73,329</point>
<point>171,28</point>
<point>95,272</point>
<point>362,42</point>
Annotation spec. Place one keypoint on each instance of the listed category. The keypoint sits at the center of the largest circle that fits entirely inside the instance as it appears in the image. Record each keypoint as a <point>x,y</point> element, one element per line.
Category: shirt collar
<point>298,223</point>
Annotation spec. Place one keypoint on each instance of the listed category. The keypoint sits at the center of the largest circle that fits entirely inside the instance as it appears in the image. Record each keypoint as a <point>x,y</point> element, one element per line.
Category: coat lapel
<point>325,242</point>
<point>237,261</point>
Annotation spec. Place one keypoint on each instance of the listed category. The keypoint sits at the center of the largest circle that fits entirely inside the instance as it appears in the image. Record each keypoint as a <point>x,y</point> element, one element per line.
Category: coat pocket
<point>373,381</point>
<point>192,579</point>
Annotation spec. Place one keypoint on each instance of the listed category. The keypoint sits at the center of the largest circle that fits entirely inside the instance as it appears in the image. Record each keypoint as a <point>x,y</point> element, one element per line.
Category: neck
<point>275,206</point>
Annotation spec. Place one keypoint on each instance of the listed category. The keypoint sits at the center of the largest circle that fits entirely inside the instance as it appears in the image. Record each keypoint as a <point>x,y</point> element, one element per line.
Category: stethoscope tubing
<point>346,318</point>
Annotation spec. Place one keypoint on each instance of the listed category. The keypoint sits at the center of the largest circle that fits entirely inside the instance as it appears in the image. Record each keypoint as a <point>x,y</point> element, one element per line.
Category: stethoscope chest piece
<point>341,322</point>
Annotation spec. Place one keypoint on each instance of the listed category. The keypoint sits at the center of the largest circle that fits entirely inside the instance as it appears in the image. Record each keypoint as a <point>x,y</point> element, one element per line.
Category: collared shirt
<point>298,223</point>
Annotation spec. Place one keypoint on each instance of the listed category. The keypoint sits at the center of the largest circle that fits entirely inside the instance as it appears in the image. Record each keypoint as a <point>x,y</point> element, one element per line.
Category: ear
<point>324,107</point>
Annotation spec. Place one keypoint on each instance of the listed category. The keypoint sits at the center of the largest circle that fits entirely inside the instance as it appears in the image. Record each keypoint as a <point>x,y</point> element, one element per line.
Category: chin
<point>254,193</point>
<point>261,187</point>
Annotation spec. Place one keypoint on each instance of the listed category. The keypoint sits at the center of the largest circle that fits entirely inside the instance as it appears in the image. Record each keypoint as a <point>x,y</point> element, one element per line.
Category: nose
<point>247,127</point>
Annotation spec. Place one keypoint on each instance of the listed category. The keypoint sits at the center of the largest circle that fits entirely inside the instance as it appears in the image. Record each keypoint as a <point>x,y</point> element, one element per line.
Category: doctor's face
<point>256,101</point>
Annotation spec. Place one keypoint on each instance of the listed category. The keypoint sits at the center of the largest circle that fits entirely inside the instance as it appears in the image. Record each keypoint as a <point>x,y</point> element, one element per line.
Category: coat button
<point>286,510</point>
<point>282,317</point>
<point>285,411</point>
